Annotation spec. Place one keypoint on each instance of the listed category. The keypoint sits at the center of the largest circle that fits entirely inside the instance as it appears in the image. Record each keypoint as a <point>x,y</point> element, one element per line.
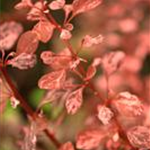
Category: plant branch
<point>90,85</point>
<point>25,105</point>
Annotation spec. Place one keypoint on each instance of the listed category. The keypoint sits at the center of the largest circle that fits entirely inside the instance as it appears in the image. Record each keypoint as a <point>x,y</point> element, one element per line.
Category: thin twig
<point>26,106</point>
<point>90,85</point>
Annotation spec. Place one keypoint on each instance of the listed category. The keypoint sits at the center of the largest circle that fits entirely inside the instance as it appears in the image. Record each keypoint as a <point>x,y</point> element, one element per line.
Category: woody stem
<point>90,84</point>
<point>26,106</point>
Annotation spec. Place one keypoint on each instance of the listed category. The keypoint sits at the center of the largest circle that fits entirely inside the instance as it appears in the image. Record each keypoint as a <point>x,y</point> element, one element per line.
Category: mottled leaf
<point>30,138</point>
<point>9,33</point>
<point>44,29</point>
<point>89,41</point>
<point>139,137</point>
<point>80,6</point>
<point>58,61</point>
<point>57,4</point>
<point>23,61</point>
<point>53,80</point>
<point>28,43</point>
<point>104,114</point>
<point>35,14</point>
<point>112,61</point>
<point>65,34</point>
<point>74,101</point>
<point>91,71</point>
<point>128,104</point>
<point>89,139</point>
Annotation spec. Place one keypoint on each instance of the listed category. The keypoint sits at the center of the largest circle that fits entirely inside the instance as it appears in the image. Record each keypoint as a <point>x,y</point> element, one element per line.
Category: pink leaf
<point>28,43</point>
<point>67,9</point>
<point>92,69</point>
<point>67,146</point>
<point>23,61</point>
<point>44,29</point>
<point>112,61</point>
<point>69,26</point>
<point>30,138</point>
<point>80,6</point>
<point>47,57</point>
<point>90,73</point>
<point>57,4</point>
<point>89,139</point>
<point>65,34</point>
<point>128,104</point>
<point>139,137</point>
<point>128,25</point>
<point>9,33</point>
<point>24,4</point>
<point>51,96</point>
<point>104,114</point>
<point>57,62</point>
<point>74,63</point>
<point>53,80</point>
<point>97,61</point>
<point>74,101</point>
<point>36,12</point>
<point>14,102</point>
<point>89,41</point>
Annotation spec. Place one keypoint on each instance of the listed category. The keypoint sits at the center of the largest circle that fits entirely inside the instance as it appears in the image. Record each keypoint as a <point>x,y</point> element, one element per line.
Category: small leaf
<point>67,146</point>
<point>30,138</point>
<point>74,63</point>
<point>91,71</point>
<point>9,33</point>
<point>67,9</point>
<point>57,61</point>
<point>50,96</point>
<point>139,137</point>
<point>80,6</point>
<point>128,105</point>
<point>57,4</point>
<point>104,114</point>
<point>74,101</point>
<point>89,139</point>
<point>65,34</point>
<point>112,61</point>
<point>28,43</point>
<point>53,80</point>
<point>97,61</point>
<point>23,61</point>
<point>14,102</point>
<point>24,4</point>
<point>44,30</point>
<point>69,26</point>
<point>89,41</point>
<point>35,14</point>
<point>47,57</point>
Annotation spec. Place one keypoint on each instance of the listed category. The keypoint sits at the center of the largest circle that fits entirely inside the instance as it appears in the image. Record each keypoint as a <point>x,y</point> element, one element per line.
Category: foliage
<point>109,89</point>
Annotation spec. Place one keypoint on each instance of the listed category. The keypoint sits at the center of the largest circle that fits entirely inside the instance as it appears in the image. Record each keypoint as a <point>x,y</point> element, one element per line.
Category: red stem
<point>90,85</point>
<point>25,105</point>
